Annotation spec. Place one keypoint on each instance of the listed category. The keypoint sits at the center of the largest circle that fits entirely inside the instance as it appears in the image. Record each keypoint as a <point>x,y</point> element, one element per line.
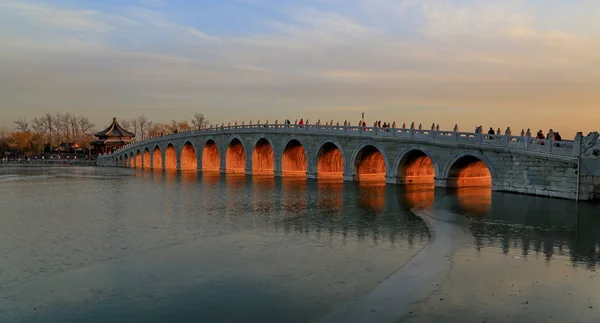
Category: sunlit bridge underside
<point>294,159</point>
<point>236,157</point>
<point>156,159</point>
<point>211,161</point>
<point>138,160</point>
<point>370,165</point>
<point>146,158</point>
<point>469,171</point>
<point>416,168</point>
<point>330,162</point>
<point>263,158</point>
<point>188,157</point>
<point>170,158</point>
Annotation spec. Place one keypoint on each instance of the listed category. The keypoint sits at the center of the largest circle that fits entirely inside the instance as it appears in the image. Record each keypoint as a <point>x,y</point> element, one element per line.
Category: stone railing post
<point>577,144</point>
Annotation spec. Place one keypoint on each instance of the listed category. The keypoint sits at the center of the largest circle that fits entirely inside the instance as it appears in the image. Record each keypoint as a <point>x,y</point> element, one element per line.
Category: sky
<point>519,63</point>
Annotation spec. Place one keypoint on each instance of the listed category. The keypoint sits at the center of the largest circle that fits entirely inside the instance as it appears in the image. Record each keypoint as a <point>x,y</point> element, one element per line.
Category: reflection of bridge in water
<point>567,169</point>
<point>378,213</point>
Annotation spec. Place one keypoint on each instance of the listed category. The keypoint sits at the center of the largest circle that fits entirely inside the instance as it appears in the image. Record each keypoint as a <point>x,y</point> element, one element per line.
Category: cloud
<point>460,61</point>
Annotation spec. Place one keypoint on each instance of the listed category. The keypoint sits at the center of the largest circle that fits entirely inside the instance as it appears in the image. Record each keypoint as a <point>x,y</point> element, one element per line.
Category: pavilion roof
<point>114,130</point>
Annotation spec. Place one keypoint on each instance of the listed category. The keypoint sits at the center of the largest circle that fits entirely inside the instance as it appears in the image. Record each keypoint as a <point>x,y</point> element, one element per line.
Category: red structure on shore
<point>111,138</point>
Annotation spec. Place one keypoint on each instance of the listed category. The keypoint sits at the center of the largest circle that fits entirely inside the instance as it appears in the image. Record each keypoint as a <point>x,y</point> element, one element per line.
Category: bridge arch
<point>170,157</point>
<point>416,164</point>
<point>157,159</point>
<point>294,158</point>
<point>369,162</point>
<point>146,158</point>
<point>263,156</point>
<point>131,160</point>
<point>188,158</point>
<point>211,158</point>
<point>235,155</point>
<point>469,168</point>
<point>138,159</point>
<point>329,159</point>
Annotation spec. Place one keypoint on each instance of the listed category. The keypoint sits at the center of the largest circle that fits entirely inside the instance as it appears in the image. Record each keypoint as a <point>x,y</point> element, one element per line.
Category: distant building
<point>111,138</point>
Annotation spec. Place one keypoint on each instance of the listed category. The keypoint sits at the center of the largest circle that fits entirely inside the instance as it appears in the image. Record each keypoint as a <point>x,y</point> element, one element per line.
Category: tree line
<point>49,131</point>
<point>144,128</point>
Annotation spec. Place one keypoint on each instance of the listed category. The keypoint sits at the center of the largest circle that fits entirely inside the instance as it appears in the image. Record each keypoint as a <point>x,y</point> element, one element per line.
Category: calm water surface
<point>102,244</point>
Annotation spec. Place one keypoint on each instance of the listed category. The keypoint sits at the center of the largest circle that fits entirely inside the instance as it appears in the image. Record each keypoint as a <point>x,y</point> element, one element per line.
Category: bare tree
<point>22,124</point>
<point>135,127</point>
<point>149,126</point>
<point>50,124</point>
<point>199,121</point>
<point>38,126</point>
<point>173,126</point>
<point>125,124</point>
<point>85,126</point>
<point>159,129</point>
<point>183,126</point>
<point>142,123</point>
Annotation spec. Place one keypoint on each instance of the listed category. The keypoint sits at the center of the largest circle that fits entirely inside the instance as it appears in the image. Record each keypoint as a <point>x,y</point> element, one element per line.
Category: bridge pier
<point>391,180</point>
<point>348,178</point>
<point>441,182</point>
<point>311,175</point>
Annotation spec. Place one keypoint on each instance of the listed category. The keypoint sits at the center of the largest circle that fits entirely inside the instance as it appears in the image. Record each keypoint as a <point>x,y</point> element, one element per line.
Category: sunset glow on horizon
<point>518,63</point>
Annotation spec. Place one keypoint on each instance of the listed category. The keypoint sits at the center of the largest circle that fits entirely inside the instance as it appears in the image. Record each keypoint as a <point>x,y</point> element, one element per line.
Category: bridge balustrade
<point>564,147</point>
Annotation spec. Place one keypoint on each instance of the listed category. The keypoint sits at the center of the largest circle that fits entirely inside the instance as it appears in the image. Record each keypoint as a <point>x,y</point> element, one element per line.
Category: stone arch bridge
<point>521,164</point>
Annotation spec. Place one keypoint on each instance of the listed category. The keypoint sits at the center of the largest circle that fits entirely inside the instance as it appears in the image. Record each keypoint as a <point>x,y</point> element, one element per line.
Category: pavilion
<point>111,138</point>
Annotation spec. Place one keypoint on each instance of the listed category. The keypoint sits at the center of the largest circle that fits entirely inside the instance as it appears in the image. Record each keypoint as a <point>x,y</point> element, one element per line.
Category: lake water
<point>120,245</point>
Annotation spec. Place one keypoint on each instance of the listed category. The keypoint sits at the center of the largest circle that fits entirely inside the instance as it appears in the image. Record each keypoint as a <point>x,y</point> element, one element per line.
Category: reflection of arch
<point>235,156</point>
<point>131,160</point>
<point>474,200</point>
<point>416,164</point>
<point>329,160</point>
<point>369,160</point>
<point>263,156</point>
<point>188,159</point>
<point>469,168</point>
<point>157,159</point>
<point>146,158</point>
<point>211,160</point>
<point>170,157</point>
<point>294,158</point>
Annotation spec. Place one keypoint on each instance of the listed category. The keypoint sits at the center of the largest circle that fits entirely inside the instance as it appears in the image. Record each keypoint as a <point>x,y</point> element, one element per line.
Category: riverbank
<point>48,163</point>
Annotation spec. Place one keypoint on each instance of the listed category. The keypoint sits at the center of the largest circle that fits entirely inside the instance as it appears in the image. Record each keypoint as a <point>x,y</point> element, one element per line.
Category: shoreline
<point>48,164</point>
